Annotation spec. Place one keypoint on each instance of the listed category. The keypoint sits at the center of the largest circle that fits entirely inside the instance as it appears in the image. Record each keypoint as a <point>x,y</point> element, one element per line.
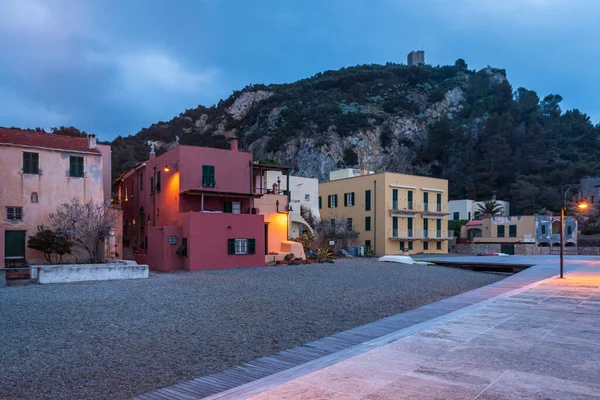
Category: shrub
<point>49,242</point>
<point>289,257</point>
<point>324,252</point>
<point>370,252</point>
<point>305,238</point>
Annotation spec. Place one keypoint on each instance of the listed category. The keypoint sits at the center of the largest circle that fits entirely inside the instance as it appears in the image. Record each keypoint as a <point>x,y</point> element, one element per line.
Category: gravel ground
<point>112,340</point>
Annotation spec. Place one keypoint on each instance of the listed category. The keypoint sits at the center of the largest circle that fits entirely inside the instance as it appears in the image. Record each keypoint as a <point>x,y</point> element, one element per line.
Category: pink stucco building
<point>197,208</point>
<point>38,172</point>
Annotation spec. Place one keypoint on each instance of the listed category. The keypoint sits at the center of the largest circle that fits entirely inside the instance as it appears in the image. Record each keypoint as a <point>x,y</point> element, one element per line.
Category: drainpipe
<point>289,202</point>
<point>154,200</point>
<point>137,212</point>
<point>375,216</point>
<point>251,190</point>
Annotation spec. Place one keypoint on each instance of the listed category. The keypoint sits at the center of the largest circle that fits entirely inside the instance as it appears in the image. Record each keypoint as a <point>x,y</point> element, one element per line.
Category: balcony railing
<point>413,207</point>
<point>262,191</point>
<point>421,234</point>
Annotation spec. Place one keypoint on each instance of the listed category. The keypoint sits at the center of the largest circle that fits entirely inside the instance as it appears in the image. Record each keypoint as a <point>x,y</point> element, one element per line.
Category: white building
<point>303,192</point>
<point>348,173</point>
<point>468,209</point>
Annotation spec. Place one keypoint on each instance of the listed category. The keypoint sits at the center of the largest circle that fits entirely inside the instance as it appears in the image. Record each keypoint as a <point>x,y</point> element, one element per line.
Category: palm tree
<point>489,208</point>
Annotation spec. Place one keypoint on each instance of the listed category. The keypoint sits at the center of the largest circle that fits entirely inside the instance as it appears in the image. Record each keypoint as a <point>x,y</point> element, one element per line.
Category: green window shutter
<point>425,197</point>
<point>425,224</point>
<point>251,246</point>
<point>438,198</point>
<point>425,245</point>
<point>367,200</point>
<point>230,246</point>
<point>438,245</point>
<point>352,196</point>
<point>76,166</point>
<point>410,223</point>
<point>320,203</point>
<point>395,195</point>
<point>329,201</point>
<point>208,175</point>
<point>72,166</point>
<point>367,244</point>
<point>438,224</point>
<point>456,216</point>
<point>346,199</point>
<point>227,207</point>
<point>394,223</point>
<point>158,181</point>
<point>410,200</point>
<point>367,223</point>
<point>401,246</point>
<point>500,230</point>
<point>512,231</point>
<point>410,245</point>
<point>80,166</point>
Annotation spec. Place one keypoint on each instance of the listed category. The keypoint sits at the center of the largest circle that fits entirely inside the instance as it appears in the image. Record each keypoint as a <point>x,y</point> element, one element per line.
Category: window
<point>569,230</point>
<point>394,199</point>
<point>367,200</point>
<point>438,227</point>
<point>332,201</point>
<point>410,200</point>
<point>349,224</point>
<point>14,213</point>
<point>158,181</point>
<point>410,245</point>
<point>401,246</point>
<point>500,231</point>
<point>425,227</point>
<point>469,215</point>
<point>241,246</point>
<point>151,184</point>
<point>307,197</point>
<point>208,176</point>
<point>425,201</point>
<point>367,244</point>
<point>456,216</point>
<point>394,226</point>
<point>182,250</point>
<point>348,199</point>
<point>367,223</point>
<point>438,200</point>
<point>425,245</point>
<point>31,163</point>
<point>141,182</point>
<point>232,207</point>
<point>438,245</point>
<point>320,203</point>
<point>512,231</point>
<point>34,197</point>
<point>409,221</point>
<point>76,167</point>
<point>543,229</point>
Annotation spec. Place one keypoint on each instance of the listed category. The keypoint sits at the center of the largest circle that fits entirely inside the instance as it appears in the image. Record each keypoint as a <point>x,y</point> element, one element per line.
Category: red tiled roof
<point>45,140</point>
<point>474,222</point>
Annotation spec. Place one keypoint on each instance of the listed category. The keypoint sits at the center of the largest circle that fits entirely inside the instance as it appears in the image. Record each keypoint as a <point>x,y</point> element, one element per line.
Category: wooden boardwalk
<point>339,346</point>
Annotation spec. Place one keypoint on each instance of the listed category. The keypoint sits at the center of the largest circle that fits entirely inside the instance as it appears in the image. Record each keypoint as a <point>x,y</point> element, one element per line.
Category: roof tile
<point>46,140</point>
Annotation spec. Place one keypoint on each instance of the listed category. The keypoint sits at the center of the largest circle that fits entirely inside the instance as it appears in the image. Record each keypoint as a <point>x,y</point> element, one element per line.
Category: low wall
<point>477,248</point>
<point>588,251</point>
<point>2,278</point>
<point>89,272</point>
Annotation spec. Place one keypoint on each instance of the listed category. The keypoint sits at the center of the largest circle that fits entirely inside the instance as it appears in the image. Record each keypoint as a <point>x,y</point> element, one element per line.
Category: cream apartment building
<point>392,212</point>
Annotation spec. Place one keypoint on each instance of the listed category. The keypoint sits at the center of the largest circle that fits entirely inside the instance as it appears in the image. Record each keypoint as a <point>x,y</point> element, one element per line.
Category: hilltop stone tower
<point>416,58</point>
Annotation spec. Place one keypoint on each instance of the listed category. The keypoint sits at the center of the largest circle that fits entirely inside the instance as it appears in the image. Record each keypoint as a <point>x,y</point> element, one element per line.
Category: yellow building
<point>392,212</point>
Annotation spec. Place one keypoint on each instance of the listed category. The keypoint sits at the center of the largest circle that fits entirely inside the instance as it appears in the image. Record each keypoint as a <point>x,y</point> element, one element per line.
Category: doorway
<point>266,239</point>
<point>14,245</point>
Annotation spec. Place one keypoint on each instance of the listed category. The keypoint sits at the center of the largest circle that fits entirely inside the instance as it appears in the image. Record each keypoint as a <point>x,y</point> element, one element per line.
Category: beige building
<point>392,212</point>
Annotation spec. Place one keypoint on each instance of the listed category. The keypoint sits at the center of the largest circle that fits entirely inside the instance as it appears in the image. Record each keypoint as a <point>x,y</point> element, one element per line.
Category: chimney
<point>152,153</point>
<point>92,141</point>
<point>234,144</point>
<point>363,171</point>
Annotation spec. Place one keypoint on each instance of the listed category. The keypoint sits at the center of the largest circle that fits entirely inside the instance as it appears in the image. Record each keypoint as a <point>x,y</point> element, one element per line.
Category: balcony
<point>412,234</point>
<point>403,206</point>
<point>434,208</point>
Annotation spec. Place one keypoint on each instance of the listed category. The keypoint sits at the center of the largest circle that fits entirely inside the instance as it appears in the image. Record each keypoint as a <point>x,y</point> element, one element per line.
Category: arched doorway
<point>556,227</point>
<point>474,232</point>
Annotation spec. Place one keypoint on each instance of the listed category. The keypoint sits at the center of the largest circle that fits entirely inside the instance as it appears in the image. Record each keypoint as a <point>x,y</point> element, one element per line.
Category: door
<point>507,249</point>
<point>266,238</point>
<point>14,244</point>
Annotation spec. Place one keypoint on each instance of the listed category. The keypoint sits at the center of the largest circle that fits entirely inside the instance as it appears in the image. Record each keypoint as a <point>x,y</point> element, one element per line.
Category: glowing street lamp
<point>582,205</point>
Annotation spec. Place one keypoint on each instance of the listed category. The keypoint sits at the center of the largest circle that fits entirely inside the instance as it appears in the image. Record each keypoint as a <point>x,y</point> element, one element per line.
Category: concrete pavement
<point>538,342</point>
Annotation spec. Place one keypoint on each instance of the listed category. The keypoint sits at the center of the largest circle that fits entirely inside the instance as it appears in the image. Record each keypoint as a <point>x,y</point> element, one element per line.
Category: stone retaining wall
<point>89,272</point>
<point>477,248</point>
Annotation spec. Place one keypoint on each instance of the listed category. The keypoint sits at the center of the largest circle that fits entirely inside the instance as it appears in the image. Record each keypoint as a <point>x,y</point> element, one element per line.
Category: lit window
<point>14,213</point>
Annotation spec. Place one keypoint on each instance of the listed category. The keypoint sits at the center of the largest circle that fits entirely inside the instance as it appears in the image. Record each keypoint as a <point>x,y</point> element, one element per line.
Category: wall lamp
<point>170,166</point>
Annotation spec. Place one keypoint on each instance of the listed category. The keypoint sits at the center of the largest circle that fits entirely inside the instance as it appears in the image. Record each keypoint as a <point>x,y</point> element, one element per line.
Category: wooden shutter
<point>395,223</point>
<point>320,203</point>
<point>346,199</point>
<point>329,201</point>
<point>230,246</point>
<point>251,246</point>
<point>367,200</point>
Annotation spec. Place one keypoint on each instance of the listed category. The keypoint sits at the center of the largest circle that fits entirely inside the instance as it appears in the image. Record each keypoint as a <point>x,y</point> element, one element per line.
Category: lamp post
<point>582,205</point>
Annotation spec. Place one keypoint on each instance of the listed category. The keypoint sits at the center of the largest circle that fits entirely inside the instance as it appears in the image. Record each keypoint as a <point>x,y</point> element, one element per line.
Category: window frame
<point>500,228</point>
<point>349,199</point>
<point>13,213</point>
<point>438,245</point>
<point>208,176</point>
<point>31,164</point>
<point>241,246</point>
<point>332,201</point>
<point>368,200</point>
<point>76,169</point>
<point>512,231</point>
<point>368,223</point>
<point>425,246</point>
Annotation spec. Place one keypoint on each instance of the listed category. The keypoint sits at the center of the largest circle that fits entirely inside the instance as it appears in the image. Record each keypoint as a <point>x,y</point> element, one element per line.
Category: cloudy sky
<point>113,67</point>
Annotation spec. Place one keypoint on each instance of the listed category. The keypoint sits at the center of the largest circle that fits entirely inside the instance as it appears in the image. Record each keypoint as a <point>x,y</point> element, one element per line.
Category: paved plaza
<point>541,341</point>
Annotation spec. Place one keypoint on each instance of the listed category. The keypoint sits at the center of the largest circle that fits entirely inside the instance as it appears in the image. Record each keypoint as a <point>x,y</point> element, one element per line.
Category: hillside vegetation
<point>470,127</point>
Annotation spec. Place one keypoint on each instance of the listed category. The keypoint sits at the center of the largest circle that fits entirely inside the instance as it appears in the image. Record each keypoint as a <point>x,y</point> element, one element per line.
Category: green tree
<point>50,243</point>
<point>489,208</point>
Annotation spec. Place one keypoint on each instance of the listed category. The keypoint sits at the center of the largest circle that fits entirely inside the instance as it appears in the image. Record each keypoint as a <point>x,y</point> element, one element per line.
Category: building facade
<point>393,213</point>
<point>304,192</point>
<point>469,209</point>
<point>38,173</point>
<point>541,230</point>
<point>198,208</point>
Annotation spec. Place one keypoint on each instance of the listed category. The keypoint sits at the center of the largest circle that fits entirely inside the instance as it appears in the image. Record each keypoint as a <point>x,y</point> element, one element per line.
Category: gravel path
<point>112,340</point>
